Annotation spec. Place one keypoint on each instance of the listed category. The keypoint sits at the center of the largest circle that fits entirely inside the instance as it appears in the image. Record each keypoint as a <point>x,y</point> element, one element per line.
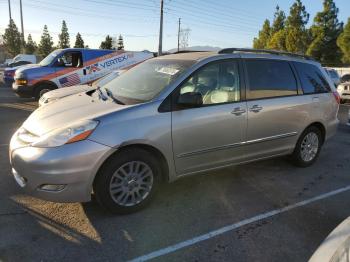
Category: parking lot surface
<point>36,230</point>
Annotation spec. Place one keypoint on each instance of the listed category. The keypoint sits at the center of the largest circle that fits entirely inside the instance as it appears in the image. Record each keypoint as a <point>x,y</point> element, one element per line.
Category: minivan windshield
<point>48,60</point>
<point>145,81</point>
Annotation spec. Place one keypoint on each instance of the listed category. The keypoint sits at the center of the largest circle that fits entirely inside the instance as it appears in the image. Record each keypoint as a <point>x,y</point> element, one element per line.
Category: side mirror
<point>190,99</point>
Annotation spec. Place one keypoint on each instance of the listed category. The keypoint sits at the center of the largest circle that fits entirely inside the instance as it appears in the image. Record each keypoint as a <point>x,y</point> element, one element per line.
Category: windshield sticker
<point>167,70</point>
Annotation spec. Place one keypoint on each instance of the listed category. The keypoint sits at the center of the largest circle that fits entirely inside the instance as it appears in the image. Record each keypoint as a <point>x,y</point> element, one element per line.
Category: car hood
<point>68,110</point>
<point>67,91</point>
<point>24,67</point>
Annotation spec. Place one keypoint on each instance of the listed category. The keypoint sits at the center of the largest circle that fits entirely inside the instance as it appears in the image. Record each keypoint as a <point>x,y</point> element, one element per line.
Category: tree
<point>63,37</point>
<point>262,40</point>
<point>120,44</point>
<point>325,31</point>
<point>277,39</point>
<point>107,44</point>
<point>12,39</point>
<point>30,46</point>
<point>297,38</point>
<point>79,42</point>
<point>344,42</point>
<point>278,21</point>
<point>46,44</point>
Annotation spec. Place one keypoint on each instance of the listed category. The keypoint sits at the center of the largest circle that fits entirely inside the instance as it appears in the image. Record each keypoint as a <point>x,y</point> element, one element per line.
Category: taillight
<point>337,97</point>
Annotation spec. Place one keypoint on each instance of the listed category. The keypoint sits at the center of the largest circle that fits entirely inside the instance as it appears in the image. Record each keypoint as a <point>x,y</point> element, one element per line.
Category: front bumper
<point>23,90</point>
<point>69,168</point>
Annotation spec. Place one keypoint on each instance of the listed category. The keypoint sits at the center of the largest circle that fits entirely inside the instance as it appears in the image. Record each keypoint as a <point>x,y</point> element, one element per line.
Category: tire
<point>309,149</point>
<point>116,175</point>
<point>42,89</point>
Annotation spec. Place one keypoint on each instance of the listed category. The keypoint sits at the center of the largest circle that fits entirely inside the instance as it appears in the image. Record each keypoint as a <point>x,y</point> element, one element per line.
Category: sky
<point>219,23</point>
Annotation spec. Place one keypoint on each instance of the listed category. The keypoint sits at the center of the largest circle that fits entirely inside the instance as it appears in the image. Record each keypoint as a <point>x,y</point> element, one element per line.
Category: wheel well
<point>321,127</point>
<point>46,83</point>
<point>152,150</point>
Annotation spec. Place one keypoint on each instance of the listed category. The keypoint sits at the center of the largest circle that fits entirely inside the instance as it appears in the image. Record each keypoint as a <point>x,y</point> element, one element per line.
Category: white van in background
<point>23,57</point>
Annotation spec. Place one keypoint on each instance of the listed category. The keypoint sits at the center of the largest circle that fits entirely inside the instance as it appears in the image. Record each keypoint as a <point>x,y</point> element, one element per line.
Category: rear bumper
<point>345,95</point>
<point>23,91</point>
<point>70,169</point>
<point>332,128</point>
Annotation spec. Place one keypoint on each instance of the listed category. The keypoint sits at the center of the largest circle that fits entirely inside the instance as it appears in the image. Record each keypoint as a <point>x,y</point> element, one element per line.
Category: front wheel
<point>308,147</point>
<point>41,90</point>
<point>128,181</point>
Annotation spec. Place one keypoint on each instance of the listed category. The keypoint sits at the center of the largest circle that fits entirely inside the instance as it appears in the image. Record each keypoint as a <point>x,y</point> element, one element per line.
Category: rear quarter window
<point>312,79</point>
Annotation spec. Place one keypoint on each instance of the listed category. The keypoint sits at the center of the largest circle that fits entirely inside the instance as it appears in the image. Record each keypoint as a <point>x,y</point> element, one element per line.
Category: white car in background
<point>344,91</point>
<point>57,94</point>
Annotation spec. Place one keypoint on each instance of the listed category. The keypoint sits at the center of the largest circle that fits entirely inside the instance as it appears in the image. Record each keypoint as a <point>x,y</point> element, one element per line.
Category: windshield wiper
<point>110,94</point>
<point>100,93</point>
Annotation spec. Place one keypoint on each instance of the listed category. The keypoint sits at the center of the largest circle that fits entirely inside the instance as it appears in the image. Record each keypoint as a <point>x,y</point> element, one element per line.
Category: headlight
<point>73,133</point>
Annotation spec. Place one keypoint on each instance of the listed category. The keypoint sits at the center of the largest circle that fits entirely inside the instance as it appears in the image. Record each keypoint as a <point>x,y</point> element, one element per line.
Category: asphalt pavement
<point>220,216</point>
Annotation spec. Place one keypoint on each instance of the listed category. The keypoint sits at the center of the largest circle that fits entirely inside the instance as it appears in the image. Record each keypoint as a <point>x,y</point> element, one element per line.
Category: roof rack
<point>265,51</point>
<point>188,51</point>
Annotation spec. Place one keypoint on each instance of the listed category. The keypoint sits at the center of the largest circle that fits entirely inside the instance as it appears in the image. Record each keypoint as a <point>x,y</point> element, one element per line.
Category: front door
<point>211,135</point>
<point>69,69</point>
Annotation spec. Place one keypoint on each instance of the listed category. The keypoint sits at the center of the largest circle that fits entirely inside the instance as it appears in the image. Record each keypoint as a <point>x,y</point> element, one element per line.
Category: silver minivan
<point>174,116</point>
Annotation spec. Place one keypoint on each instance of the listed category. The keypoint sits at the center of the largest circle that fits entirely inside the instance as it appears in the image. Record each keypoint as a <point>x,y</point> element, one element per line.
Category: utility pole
<point>20,8</point>
<point>10,9</point>
<point>178,36</point>
<point>160,29</point>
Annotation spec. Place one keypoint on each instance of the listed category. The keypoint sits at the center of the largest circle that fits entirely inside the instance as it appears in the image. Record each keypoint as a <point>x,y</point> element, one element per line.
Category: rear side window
<point>270,78</point>
<point>312,79</point>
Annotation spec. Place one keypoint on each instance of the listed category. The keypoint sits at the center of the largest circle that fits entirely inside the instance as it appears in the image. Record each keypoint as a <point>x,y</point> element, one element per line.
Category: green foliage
<point>278,21</point>
<point>107,44</point>
<point>264,36</point>
<point>46,44</point>
<point>12,39</point>
<point>30,46</point>
<point>344,42</point>
<point>325,31</point>
<point>278,41</point>
<point>120,44</point>
<point>63,37</point>
<point>278,37</point>
<point>297,37</point>
<point>79,42</point>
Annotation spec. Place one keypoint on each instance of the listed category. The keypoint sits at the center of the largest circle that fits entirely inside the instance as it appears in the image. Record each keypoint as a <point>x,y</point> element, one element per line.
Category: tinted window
<point>71,59</point>
<point>217,82</point>
<point>312,79</point>
<point>270,78</point>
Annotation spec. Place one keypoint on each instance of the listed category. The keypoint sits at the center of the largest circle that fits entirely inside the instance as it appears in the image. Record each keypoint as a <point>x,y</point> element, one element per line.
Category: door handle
<point>238,111</point>
<point>315,99</point>
<point>255,108</point>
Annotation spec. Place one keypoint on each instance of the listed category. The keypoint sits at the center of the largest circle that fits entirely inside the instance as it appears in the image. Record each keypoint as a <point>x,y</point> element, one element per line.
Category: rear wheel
<point>308,147</point>
<point>128,181</point>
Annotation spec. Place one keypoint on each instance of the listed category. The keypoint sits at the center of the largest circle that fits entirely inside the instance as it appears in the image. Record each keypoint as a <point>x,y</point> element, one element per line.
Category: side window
<point>70,59</point>
<point>312,79</point>
<point>217,83</point>
<point>270,78</point>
